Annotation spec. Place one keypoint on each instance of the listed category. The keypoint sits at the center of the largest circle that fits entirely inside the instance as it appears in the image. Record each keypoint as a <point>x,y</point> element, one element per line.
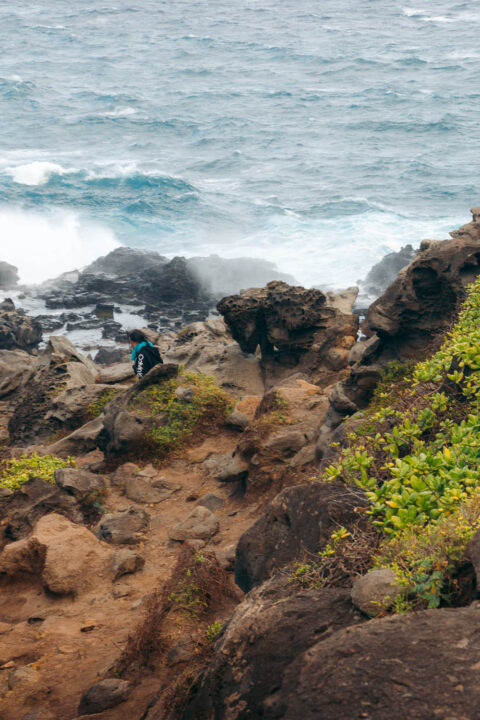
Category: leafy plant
<point>179,417</point>
<point>19,470</point>
<point>213,630</point>
<point>97,407</point>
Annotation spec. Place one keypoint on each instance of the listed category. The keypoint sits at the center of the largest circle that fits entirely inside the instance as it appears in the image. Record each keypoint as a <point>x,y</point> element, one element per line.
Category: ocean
<point>316,134</point>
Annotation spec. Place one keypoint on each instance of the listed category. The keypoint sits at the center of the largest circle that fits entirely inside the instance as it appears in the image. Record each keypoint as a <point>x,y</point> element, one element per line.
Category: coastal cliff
<point>280,520</point>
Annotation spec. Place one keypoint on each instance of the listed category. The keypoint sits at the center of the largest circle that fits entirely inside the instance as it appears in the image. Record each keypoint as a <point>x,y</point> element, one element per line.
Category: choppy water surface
<point>316,133</point>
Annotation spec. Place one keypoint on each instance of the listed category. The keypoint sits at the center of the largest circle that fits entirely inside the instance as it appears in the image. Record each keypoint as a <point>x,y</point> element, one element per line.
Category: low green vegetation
<point>213,631</point>
<point>416,453</point>
<point>97,407</point>
<point>17,471</point>
<point>178,417</point>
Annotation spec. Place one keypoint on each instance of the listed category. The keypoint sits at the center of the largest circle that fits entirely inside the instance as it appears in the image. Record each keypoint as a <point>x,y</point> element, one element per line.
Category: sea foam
<point>44,245</point>
<point>35,173</point>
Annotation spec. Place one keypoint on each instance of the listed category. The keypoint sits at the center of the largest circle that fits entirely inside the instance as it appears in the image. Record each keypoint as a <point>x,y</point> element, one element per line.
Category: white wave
<point>410,12</point>
<point>335,251</point>
<point>121,112</point>
<point>44,245</point>
<point>36,173</point>
<point>438,19</point>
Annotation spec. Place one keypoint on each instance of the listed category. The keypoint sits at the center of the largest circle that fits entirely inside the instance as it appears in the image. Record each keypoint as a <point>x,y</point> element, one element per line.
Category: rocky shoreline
<point>153,533</point>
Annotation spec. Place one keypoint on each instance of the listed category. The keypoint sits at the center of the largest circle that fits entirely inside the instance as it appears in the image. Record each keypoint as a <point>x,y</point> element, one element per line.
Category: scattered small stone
<point>185,394</point>
<point>136,604</point>
<point>237,420</point>
<point>181,652</point>
<point>148,471</point>
<point>103,695</point>
<point>199,524</point>
<point>125,526</point>
<point>211,501</point>
<point>235,470</point>
<point>124,472</point>
<point>376,591</point>
<point>126,561</point>
<point>92,461</point>
<point>196,545</point>
<point>21,675</point>
<point>79,482</point>
<point>141,490</point>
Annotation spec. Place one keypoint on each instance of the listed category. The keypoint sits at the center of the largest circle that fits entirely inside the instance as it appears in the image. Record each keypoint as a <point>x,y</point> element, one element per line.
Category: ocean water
<point>319,134</point>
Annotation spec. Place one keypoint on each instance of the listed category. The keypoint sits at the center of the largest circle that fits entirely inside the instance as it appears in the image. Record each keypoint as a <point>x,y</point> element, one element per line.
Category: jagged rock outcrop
<point>17,331</point>
<point>8,275</point>
<point>425,293</point>
<point>299,518</point>
<point>294,327</point>
<point>15,369</point>
<point>401,324</point>
<point>271,626</point>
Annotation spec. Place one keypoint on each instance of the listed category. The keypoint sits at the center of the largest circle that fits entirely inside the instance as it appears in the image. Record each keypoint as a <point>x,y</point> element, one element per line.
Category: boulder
<point>68,557</point>
<point>199,524</point>
<point>116,373</point>
<point>286,442</point>
<point>237,420</point>
<point>16,367</point>
<point>422,665</point>
<point>376,591</point>
<point>298,518</point>
<point>103,695</point>
<point>83,440</point>
<point>293,325</point>
<point>123,473</point>
<point>273,624</point>
<point>424,295</point>
<point>125,526</point>
<point>109,355</point>
<point>17,331</point>
<point>21,509</point>
<point>211,501</point>
<point>8,275</point>
<point>79,483</point>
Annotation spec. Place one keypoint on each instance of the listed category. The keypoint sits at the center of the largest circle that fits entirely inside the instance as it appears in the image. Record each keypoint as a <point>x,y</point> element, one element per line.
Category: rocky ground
<point>123,574</point>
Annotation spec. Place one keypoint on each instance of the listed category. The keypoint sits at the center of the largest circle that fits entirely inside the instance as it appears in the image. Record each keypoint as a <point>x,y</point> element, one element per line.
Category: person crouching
<point>144,354</point>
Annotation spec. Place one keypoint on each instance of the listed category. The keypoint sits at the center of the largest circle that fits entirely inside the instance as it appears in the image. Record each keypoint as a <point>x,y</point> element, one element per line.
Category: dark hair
<point>137,336</point>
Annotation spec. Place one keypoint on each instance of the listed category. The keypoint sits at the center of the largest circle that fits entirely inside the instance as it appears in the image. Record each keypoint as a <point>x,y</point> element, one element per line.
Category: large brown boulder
<point>273,624</point>
<point>299,518</point>
<point>294,326</point>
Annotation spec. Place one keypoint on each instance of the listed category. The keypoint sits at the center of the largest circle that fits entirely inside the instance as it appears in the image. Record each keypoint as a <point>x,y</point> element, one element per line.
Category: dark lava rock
<point>108,355</point>
<point>125,526</point>
<point>300,517</point>
<point>290,324</point>
<point>274,624</point>
<point>21,509</point>
<point>103,695</point>
<point>17,331</point>
<point>126,261</point>
<point>8,275</point>
<point>423,665</point>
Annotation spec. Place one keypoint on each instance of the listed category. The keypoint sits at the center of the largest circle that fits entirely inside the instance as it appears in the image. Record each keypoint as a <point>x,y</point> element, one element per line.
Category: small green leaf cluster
<point>213,631</point>
<point>180,417</point>
<point>17,471</point>
<point>97,407</point>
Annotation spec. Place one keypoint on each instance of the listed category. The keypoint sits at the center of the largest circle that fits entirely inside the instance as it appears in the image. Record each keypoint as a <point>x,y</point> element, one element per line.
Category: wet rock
<point>79,483</point>
<point>300,517</point>
<point>21,509</point>
<point>108,355</point>
<point>103,695</point>
<point>236,469</point>
<point>376,591</point>
<point>268,629</point>
<point>126,561</point>
<point>200,523</point>
<point>125,526</point>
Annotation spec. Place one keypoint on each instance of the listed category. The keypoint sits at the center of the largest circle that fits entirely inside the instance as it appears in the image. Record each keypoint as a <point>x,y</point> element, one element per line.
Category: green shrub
<point>416,454</point>
<point>18,471</point>
<point>180,418</point>
<point>97,407</point>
